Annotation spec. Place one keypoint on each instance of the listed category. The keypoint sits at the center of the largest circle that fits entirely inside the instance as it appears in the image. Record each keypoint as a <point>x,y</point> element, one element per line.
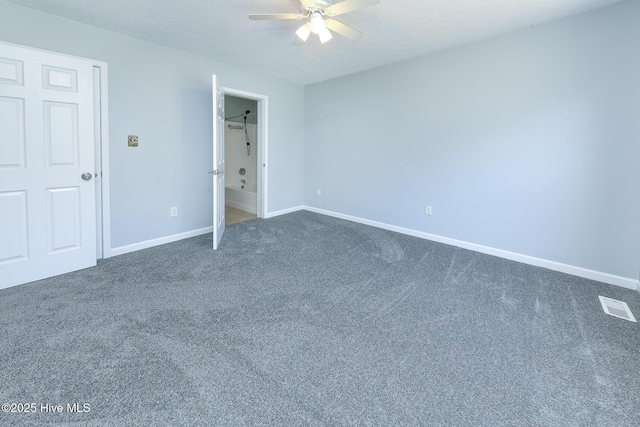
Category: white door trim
<point>263,144</point>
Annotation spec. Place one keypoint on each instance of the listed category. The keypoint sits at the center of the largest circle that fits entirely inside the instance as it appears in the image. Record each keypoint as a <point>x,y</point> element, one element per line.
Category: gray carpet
<point>305,319</point>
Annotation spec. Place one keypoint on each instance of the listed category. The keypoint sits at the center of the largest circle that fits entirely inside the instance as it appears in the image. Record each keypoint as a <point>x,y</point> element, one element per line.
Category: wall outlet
<point>174,211</point>
<point>428,210</point>
<point>318,192</point>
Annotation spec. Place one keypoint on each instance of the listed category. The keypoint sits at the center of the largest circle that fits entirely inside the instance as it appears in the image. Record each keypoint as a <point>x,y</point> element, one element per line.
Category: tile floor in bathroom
<point>234,216</point>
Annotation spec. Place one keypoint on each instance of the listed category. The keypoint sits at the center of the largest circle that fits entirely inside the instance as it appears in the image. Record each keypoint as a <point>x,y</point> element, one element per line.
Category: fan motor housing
<point>321,5</point>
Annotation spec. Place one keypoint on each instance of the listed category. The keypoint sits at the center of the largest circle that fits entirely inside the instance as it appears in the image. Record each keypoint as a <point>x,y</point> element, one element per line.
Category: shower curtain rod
<point>240,115</point>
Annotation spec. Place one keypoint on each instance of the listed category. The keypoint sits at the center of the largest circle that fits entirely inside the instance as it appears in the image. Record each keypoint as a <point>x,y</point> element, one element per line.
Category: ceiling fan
<point>320,15</point>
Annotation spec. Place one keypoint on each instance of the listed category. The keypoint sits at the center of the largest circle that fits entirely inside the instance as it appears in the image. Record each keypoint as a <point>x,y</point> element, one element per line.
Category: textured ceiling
<point>394,30</point>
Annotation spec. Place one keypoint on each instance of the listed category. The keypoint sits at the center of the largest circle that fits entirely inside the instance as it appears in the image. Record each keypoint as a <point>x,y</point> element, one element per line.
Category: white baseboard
<point>599,276</point>
<point>121,250</point>
<point>285,211</point>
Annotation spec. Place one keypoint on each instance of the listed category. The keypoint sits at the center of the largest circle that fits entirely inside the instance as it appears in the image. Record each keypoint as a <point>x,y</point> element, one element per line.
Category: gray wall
<point>164,96</point>
<point>528,142</point>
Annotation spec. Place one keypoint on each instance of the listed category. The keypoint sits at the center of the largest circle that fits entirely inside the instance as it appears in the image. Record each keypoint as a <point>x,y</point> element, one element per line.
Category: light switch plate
<point>133,140</point>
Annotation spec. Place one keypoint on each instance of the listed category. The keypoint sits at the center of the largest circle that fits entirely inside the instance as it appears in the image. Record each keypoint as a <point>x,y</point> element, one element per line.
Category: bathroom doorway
<point>245,141</point>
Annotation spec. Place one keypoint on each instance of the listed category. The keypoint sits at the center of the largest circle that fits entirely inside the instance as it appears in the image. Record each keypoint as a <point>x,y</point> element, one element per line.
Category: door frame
<point>262,145</point>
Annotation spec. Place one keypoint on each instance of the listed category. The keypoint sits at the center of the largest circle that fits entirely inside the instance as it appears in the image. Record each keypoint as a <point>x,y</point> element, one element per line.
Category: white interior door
<point>218,162</point>
<point>47,205</point>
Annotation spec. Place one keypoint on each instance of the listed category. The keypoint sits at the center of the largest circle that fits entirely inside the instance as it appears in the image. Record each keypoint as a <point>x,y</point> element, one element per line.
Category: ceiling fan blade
<point>342,29</point>
<point>350,6</point>
<point>298,41</point>
<point>277,16</point>
<point>309,4</point>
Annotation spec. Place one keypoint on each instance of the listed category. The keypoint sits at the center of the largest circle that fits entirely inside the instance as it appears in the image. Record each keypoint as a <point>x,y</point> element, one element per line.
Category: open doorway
<point>245,159</point>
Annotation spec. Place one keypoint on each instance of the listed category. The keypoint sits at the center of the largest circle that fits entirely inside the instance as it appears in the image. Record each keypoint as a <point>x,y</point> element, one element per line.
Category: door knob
<point>86,176</point>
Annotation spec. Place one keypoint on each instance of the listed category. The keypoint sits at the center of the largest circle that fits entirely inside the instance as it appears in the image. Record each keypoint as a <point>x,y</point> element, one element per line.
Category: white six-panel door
<point>47,209</point>
<point>218,163</point>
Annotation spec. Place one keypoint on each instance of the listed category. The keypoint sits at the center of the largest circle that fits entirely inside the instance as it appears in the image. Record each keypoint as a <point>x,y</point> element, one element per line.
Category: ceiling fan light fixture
<point>317,23</point>
<point>316,11</point>
<point>325,35</point>
<point>304,32</point>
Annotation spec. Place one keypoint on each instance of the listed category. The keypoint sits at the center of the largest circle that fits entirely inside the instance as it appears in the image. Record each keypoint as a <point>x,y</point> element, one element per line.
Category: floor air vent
<point>616,308</point>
